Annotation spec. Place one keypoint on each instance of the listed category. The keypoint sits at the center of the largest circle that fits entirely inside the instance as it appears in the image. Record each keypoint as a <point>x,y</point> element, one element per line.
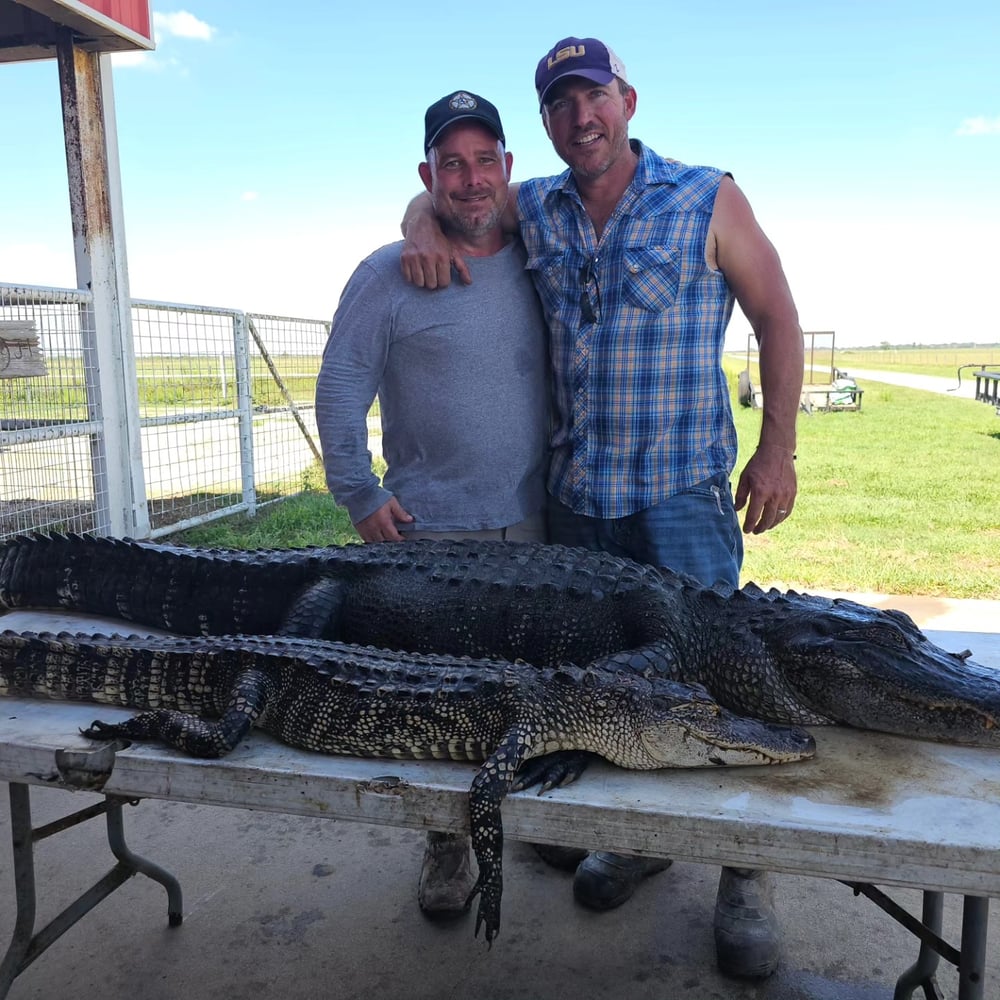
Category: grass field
<point>942,361</point>
<point>902,497</point>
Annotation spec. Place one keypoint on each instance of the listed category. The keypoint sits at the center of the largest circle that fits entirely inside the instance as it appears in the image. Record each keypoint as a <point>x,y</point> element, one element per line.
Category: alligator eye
<point>882,634</point>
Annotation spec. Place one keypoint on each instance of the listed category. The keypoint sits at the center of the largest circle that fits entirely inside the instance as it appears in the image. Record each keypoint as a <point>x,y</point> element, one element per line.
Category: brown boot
<point>446,877</point>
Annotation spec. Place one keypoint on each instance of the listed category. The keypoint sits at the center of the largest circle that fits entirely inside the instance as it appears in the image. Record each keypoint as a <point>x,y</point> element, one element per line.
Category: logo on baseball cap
<point>462,105</point>
<point>586,57</point>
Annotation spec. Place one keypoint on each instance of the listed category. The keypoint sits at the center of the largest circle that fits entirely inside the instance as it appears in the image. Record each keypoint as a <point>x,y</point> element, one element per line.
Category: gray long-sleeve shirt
<point>462,378</point>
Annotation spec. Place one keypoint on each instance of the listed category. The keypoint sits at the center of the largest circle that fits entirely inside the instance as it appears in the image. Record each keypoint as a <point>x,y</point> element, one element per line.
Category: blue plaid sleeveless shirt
<point>637,323</point>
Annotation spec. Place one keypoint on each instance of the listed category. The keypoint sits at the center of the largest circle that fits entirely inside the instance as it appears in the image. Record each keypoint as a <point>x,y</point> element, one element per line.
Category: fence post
<point>244,407</point>
<point>106,325</point>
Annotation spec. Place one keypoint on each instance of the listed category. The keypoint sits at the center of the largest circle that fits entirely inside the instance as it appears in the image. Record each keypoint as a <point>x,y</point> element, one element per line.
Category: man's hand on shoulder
<point>427,256</point>
<point>381,526</point>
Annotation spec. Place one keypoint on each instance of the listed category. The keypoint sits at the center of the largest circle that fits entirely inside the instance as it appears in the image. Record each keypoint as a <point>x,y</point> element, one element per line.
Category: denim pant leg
<point>566,527</point>
<point>695,532</point>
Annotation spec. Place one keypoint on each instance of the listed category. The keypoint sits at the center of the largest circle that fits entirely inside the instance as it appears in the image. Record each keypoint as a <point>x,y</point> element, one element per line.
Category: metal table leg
<point>25,945</point>
<point>972,966</point>
<point>969,959</point>
<point>921,973</point>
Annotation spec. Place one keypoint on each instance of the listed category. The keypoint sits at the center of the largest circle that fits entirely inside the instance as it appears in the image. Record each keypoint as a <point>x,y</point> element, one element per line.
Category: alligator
<point>781,657</point>
<point>346,699</point>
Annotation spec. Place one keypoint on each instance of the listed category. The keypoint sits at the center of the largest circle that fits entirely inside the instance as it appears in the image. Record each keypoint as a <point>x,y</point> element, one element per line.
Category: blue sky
<point>263,156</point>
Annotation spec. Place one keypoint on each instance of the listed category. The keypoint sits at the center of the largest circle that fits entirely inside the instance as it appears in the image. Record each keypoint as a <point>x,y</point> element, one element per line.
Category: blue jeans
<point>695,532</point>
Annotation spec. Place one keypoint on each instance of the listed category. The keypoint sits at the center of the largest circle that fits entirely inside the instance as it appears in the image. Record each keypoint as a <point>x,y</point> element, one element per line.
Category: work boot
<point>446,877</point>
<point>746,925</point>
<point>566,859</point>
<point>605,880</point>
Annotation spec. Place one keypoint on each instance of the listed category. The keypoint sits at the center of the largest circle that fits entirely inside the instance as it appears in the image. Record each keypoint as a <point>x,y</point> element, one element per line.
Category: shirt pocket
<point>548,271</point>
<point>651,277</point>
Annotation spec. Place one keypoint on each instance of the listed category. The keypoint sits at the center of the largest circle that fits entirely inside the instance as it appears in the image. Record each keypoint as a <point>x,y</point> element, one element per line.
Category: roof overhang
<point>29,29</point>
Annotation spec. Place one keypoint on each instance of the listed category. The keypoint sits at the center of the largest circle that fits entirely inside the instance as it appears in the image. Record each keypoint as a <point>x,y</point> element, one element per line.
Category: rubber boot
<point>566,859</point>
<point>605,880</point>
<point>747,936</point>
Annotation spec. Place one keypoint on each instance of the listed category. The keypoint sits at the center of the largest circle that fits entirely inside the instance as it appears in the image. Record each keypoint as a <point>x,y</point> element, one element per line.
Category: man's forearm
<point>419,211</point>
<point>781,372</point>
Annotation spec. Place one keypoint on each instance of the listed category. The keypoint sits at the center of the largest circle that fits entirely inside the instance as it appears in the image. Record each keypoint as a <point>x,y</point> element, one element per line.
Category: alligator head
<point>874,669</point>
<point>681,725</point>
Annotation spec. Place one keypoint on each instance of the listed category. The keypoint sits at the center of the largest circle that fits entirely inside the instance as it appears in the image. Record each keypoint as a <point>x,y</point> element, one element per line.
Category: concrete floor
<point>300,909</point>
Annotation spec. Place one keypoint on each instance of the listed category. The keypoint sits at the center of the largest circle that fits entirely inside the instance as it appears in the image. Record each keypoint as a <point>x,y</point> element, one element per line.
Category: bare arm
<point>428,256</point>
<point>744,254</point>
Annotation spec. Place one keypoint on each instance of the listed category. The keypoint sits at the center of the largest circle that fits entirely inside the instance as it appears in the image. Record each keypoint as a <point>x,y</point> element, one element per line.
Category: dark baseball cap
<point>460,106</point>
<point>586,57</point>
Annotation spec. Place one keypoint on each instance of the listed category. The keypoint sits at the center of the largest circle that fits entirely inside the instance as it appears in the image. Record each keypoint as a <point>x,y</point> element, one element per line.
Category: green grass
<point>941,361</point>
<point>901,497</point>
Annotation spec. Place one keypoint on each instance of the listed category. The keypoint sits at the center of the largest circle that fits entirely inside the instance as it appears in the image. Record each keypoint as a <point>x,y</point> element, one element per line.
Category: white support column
<point>101,267</point>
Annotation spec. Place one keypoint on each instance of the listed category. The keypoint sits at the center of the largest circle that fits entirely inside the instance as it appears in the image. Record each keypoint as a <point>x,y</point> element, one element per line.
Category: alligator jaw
<point>703,738</point>
<point>901,684</point>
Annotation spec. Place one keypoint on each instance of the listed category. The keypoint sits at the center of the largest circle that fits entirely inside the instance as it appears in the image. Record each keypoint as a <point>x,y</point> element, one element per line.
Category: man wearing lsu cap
<point>463,382</point>
<point>637,260</point>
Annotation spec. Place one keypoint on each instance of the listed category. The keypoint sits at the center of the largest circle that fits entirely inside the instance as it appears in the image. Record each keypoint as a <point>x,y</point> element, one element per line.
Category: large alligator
<point>782,657</point>
<point>337,698</point>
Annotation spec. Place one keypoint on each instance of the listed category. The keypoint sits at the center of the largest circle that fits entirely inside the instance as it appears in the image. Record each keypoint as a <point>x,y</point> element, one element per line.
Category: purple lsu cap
<point>585,57</point>
<point>458,106</point>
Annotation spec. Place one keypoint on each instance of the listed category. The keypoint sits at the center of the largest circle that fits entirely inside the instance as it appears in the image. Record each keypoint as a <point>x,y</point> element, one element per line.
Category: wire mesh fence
<point>47,475</point>
<point>224,411</point>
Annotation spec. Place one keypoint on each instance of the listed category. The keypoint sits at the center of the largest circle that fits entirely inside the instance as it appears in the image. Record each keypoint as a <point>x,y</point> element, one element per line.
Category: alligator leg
<point>315,613</point>
<point>489,788</point>
<point>191,733</point>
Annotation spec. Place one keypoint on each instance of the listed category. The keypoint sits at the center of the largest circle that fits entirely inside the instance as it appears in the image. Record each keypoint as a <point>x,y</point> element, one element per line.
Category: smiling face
<point>466,174</point>
<point>588,125</point>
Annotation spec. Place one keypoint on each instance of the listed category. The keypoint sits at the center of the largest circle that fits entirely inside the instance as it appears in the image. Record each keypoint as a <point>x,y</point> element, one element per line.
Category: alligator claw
<point>98,730</point>
<point>488,914</point>
<point>552,770</point>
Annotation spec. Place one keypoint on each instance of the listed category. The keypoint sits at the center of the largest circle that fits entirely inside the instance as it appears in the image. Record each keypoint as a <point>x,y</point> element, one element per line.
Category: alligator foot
<point>180,730</point>
<point>552,770</point>
<point>488,914</point>
<point>98,730</point>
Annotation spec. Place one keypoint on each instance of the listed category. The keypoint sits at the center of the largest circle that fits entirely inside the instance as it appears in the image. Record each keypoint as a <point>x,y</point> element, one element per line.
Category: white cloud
<point>139,59</point>
<point>134,57</point>
<point>181,24</point>
<point>249,196</point>
<point>979,126</point>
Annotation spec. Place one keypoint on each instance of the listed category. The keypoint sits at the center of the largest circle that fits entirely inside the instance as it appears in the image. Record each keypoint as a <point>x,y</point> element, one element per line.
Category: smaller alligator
<point>346,699</point>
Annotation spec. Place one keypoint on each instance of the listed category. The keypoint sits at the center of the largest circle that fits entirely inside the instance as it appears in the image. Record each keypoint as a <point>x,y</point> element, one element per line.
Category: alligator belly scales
<point>526,611</point>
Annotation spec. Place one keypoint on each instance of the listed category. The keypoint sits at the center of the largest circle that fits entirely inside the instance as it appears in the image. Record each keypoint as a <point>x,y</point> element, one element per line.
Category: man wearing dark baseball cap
<point>462,379</point>
<point>458,107</point>
<point>638,260</point>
